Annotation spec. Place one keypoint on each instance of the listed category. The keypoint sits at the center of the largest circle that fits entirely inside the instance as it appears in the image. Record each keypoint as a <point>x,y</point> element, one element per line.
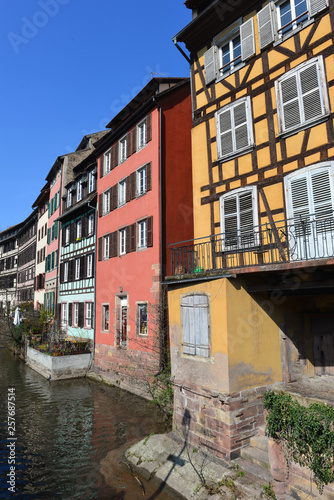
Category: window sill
<point>292,32</point>
<point>304,126</point>
<point>120,205</point>
<point>236,154</point>
<point>139,148</point>
<point>140,249</point>
<point>139,195</point>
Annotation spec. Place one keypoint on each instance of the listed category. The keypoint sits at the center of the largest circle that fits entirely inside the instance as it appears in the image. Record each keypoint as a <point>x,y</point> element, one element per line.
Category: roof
<point>12,230</point>
<point>78,207</point>
<point>42,195</point>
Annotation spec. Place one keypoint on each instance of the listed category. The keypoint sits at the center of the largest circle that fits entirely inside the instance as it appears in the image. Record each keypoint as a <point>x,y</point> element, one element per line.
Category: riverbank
<point>180,471</point>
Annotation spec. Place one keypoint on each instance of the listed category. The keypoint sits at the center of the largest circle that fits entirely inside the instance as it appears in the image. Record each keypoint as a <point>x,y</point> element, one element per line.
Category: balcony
<point>277,245</point>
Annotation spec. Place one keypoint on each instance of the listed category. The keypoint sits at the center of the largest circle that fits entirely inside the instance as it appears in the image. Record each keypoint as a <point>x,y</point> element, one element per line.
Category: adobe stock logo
<point>30,27</point>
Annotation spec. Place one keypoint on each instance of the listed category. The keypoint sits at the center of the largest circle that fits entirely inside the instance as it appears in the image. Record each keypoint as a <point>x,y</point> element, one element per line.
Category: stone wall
<point>4,333</point>
<point>59,367</point>
<point>220,424</point>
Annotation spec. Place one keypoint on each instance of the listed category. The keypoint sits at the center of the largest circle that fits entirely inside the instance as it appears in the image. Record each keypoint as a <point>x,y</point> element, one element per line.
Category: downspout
<point>95,259</point>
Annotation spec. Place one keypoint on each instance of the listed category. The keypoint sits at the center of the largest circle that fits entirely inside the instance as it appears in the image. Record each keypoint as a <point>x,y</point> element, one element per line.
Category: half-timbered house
<point>8,267</point>
<point>251,297</point>
<point>26,259</point>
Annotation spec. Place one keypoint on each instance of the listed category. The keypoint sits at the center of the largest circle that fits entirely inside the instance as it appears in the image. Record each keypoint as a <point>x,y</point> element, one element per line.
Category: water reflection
<point>71,436</point>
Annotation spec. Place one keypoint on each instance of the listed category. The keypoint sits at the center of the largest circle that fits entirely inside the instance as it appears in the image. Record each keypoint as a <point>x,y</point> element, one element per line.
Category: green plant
<point>162,393</point>
<point>268,491</point>
<point>306,433</point>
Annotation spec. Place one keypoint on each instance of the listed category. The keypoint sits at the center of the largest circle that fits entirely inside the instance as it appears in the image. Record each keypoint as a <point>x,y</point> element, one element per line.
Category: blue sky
<point>67,67</point>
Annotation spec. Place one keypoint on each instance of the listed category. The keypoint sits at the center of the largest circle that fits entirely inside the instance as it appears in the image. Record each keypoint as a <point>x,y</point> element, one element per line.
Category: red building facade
<point>144,203</point>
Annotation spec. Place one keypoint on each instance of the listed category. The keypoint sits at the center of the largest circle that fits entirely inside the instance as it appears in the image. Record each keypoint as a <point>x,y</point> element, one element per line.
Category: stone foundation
<point>58,367</point>
<point>220,424</point>
<point>129,369</point>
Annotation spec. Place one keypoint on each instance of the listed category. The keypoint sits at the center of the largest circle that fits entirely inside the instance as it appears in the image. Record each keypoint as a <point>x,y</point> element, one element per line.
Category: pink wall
<point>53,245</point>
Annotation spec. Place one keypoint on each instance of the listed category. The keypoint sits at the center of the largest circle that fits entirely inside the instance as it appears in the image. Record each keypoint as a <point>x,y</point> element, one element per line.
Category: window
<point>122,192</point>
<point>230,49</point>
<point>79,190</point>
<point>239,219</point>
<point>65,272</point>
<point>105,317</point>
<point>69,197</point>
<point>122,241</point>
<point>141,135</point>
<point>141,181</point>
<point>76,314</point>
<point>90,224</point>
<point>106,247</point>
<point>67,235</point>
<point>106,162</point>
<point>122,150</point>
<point>195,325</point>
<point>234,129</point>
<point>106,202</point>
<point>88,318</point>
<point>91,181</point>
<point>310,206</point>
<point>89,265</point>
<point>142,234</point>
<point>291,14</point>
<point>142,319</point>
<point>64,316</point>
<point>77,269</point>
<point>302,96</point>
<point>79,229</point>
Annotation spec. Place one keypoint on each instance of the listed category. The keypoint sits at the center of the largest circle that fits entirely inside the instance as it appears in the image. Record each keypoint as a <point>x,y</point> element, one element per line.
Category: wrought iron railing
<point>286,241</point>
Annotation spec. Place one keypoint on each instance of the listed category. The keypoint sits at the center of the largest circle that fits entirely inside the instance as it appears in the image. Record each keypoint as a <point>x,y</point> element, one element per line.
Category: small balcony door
<point>309,200</point>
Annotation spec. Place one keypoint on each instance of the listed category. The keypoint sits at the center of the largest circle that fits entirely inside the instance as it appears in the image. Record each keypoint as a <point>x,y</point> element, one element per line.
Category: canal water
<point>70,437</point>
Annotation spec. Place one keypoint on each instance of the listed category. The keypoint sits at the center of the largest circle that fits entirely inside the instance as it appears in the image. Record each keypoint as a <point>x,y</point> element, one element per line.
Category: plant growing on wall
<point>306,434</point>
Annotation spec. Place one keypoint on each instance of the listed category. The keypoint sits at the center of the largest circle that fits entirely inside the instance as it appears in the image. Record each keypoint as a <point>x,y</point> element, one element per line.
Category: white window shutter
<point>225,143</point>
<point>247,39</point>
<point>289,102</point>
<point>311,92</point>
<point>230,222</point>
<point>240,126</point>
<point>188,325</point>
<point>201,325</point>
<point>317,6</point>
<point>322,193</point>
<point>210,64</point>
<point>266,25</point>
<point>300,201</point>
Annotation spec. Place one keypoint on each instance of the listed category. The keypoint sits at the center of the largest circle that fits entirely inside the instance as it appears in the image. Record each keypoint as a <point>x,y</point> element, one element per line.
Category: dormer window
<point>79,190</point>
<point>69,197</point>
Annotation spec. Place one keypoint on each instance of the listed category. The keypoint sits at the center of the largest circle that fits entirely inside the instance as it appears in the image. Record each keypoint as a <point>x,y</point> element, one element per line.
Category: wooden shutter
<point>70,313</point>
<point>210,64</point>
<point>188,332</point>
<point>114,156</point>
<point>201,325</point>
<point>238,220</point>
<point>113,240</point>
<point>81,315</point>
<point>234,129</point>
<point>247,39</point>
<point>113,193</point>
<point>58,311</point>
<point>129,144</point>
<point>100,204</point>
<point>311,92</point>
<point>62,272</point>
<point>134,140</point>
<point>83,269</point>
<point>149,128</point>
<point>149,176</point>
<point>128,189</point>
<point>93,265</point>
<point>150,231</point>
<point>84,226</point>
<point>63,236</point>
<point>133,185</point>
<point>128,239</point>
<point>100,249</point>
<point>132,230</point>
<point>71,270</point>
<point>101,165</point>
<point>317,6</point>
<point>266,25</point>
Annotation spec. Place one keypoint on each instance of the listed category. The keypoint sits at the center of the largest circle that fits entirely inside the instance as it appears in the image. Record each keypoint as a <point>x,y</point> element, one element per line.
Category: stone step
<point>258,472</point>
<point>260,442</point>
<point>262,430</point>
<point>256,456</point>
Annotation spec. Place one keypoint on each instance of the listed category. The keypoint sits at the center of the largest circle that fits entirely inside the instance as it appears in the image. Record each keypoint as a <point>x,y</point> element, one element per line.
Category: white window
<point>106,247</point>
<point>195,325</point>
<point>122,241</point>
<point>105,317</point>
<point>142,318</point>
<point>64,320</point>
<point>67,235</point>
<point>302,96</point>
<point>76,314</point>
<point>65,272</point>
<point>69,197</point>
<point>106,202</point>
<point>122,193</point>
<point>122,150</point>
<point>291,13</point>
<point>310,206</point>
<point>89,265</point>
<point>141,135</point>
<point>88,321</point>
<point>79,190</point>
<point>106,162</point>
<point>229,51</point>
<point>79,228</point>
<point>90,224</point>
<point>239,219</point>
<point>91,181</point>
<point>142,234</point>
<point>141,181</point>
<point>77,269</point>
<point>234,128</point>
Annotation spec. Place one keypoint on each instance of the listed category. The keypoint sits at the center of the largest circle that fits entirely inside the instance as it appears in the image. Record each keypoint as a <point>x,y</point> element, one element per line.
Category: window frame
<point>64,317</point>
<point>250,133</point>
<point>76,314</point>
<point>78,229</point>
<point>67,235</point>
<point>79,190</point>
<point>106,244</point>
<point>107,162</point>
<point>91,181</point>
<point>69,198</point>
<point>141,134</point>
<point>122,150</point>
<point>66,269</point>
<point>90,265</point>
<point>121,193</point>
<point>77,269</point>
<point>90,225</point>
<point>323,92</point>
<point>138,306</point>
<point>140,192</point>
<point>106,202</point>
<point>88,314</point>
<point>122,241</point>
<point>142,234</point>
<point>105,307</point>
